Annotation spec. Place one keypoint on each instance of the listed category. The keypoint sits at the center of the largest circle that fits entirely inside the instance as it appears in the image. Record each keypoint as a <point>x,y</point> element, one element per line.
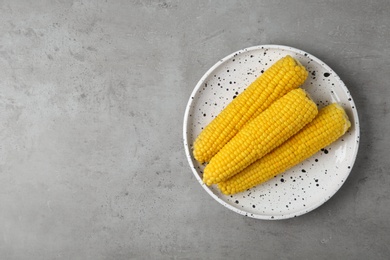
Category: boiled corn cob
<point>285,75</point>
<point>330,124</point>
<point>280,121</point>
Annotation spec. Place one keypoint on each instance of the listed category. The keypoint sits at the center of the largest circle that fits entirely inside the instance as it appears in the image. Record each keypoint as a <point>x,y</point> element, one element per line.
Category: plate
<point>304,187</point>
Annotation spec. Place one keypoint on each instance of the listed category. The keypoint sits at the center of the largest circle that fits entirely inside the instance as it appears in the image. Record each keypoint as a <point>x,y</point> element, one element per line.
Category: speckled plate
<point>302,188</point>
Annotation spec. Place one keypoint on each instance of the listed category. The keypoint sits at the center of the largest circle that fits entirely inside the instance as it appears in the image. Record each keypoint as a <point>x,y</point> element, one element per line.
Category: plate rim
<point>188,150</point>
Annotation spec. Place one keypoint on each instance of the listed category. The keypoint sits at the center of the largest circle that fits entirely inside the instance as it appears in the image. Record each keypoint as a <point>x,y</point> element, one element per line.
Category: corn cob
<point>280,121</point>
<point>329,125</point>
<point>285,75</point>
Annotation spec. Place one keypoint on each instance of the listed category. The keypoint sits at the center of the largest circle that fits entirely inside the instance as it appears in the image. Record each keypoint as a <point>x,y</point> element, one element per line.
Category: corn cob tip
<point>345,116</point>
<point>210,180</point>
<point>225,189</point>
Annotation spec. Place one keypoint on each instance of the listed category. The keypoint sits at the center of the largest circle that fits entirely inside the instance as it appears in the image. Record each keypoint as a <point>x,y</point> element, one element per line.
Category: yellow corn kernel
<point>329,125</point>
<point>267,131</point>
<point>283,76</point>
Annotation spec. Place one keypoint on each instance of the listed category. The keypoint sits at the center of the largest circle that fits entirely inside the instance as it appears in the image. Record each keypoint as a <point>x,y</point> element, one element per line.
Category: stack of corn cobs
<point>270,127</point>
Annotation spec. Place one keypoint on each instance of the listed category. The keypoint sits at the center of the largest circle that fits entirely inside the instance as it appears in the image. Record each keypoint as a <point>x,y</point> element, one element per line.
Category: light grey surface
<point>92,99</point>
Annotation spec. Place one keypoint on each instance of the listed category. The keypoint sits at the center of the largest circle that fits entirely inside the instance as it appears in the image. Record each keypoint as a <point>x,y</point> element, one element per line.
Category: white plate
<point>302,188</point>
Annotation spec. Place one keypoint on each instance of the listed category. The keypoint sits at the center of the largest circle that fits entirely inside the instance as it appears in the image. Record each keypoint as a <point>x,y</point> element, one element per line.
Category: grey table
<point>92,99</point>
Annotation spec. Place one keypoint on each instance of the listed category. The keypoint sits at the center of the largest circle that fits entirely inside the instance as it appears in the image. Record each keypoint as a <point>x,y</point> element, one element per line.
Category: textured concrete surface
<point>92,98</point>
